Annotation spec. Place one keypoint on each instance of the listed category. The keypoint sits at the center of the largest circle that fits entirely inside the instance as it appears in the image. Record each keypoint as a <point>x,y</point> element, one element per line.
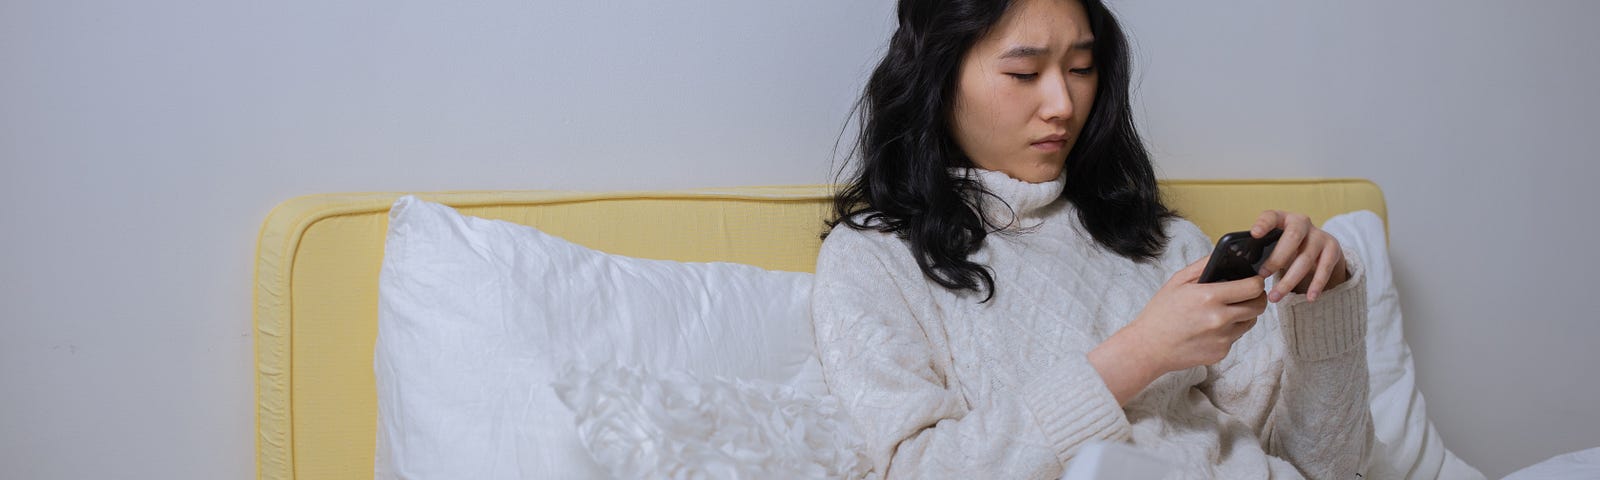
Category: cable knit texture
<point>942,386</point>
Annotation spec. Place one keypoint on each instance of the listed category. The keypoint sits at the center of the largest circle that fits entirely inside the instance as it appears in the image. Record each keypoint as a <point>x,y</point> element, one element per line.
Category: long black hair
<point>903,183</point>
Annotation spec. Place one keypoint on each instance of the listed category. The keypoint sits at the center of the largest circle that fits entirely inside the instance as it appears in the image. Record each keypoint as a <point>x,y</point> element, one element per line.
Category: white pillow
<point>475,316</point>
<point>641,424</point>
<point>1410,446</point>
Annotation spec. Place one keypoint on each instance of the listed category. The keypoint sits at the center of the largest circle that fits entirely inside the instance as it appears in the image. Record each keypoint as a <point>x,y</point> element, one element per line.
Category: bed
<point>318,259</point>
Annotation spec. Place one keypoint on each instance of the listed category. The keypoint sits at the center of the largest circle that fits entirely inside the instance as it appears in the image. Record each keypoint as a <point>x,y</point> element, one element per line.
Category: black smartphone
<point>1238,256</point>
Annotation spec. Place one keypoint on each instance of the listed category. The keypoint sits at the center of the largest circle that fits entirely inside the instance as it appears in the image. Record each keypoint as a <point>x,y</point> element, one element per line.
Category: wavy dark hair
<point>905,149</point>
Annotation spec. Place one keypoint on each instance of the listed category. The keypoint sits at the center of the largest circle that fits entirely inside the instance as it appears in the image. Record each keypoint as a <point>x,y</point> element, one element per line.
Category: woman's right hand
<point>1186,324</point>
<point>1189,324</point>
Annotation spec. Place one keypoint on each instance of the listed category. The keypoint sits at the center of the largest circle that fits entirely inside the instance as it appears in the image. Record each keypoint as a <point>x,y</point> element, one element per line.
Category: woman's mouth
<point>1050,145</point>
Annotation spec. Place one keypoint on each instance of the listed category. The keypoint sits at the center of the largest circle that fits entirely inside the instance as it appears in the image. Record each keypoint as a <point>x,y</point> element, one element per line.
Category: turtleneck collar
<point>1021,203</point>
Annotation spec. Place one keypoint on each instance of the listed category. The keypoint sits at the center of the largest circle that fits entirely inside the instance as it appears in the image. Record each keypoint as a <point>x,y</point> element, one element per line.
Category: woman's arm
<point>1184,325</point>
<point>884,355</point>
<point>1299,379</point>
<point>1125,365</point>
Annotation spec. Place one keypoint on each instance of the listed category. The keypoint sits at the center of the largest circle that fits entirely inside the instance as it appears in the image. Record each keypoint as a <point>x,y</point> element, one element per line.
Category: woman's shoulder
<point>863,246</point>
<point>1181,229</point>
<point>1186,242</point>
<point>860,235</point>
<point>858,258</point>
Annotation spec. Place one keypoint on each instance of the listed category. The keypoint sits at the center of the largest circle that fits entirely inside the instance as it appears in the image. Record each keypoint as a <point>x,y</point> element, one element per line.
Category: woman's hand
<point>1186,324</point>
<point>1306,258</point>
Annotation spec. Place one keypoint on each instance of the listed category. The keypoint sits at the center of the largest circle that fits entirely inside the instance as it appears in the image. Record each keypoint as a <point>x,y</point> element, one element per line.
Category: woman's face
<point>1025,90</point>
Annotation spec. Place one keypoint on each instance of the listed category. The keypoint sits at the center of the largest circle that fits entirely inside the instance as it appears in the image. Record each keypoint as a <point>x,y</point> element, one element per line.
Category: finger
<point>1191,273</point>
<point>1265,222</point>
<point>1238,290</point>
<point>1249,309</point>
<point>1239,329</point>
<point>1246,314</point>
<point>1325,264</point>
<point>1295,228</point>
<point>1292,277</point>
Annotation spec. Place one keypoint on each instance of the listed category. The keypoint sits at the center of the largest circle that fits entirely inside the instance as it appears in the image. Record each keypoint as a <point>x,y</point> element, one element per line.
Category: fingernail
<point>1265,273</point>
<point>1312,296</point>
<point>1273,297</point>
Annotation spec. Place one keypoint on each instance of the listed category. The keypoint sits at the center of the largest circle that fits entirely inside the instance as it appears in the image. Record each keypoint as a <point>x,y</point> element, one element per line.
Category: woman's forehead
<point>1030,25</point>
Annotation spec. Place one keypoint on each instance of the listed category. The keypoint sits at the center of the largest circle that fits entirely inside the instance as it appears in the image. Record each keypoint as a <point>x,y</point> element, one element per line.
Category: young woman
<point>1003,283</point>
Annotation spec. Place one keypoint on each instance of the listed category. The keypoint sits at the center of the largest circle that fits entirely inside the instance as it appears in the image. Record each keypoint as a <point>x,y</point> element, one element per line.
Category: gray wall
<point>1476,118</point>
<point>142,145</point>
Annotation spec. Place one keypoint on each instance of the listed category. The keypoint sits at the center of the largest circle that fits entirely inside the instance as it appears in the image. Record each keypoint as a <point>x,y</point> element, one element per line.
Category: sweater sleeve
<point>885,356</point>
<point>1299,379</point>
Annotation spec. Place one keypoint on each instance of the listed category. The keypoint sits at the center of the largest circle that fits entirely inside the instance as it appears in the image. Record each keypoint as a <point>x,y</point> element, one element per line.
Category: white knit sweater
<point>942,386</point>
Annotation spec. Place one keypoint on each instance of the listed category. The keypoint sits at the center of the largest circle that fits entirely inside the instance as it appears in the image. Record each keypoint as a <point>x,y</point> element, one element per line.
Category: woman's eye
<point>1023,76</point>
<point>1083,71</point>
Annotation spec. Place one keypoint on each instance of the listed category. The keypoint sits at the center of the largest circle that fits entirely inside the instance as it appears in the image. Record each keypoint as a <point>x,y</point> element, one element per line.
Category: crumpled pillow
<point>643,424</point>
<point>476,317</point>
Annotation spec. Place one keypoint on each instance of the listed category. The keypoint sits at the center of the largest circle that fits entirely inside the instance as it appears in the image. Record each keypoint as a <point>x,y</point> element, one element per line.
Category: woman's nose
<point>1057,105</point>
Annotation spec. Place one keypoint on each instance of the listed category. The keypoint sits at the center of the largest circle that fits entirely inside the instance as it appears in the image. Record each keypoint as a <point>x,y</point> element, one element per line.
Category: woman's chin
<point>1031,171</point>
<point>1039,174</point>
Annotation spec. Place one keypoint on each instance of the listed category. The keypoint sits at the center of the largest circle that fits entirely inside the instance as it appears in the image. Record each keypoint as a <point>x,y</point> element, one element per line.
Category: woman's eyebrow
<point>1024,52</point>
<point>1027,51</point>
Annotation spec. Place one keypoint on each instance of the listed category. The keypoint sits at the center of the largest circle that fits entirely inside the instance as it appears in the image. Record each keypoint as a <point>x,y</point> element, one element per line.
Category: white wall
<point>142,145</point>
<point>144,142</point>
<point>1476,118</point>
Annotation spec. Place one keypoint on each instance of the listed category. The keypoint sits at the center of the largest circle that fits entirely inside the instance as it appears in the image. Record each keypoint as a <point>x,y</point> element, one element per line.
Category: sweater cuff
<point>1072,405</point>
<point>1333,324</point>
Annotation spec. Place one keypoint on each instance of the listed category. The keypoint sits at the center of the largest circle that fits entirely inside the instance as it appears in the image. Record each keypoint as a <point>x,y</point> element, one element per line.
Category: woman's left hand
<point>1306,258</point>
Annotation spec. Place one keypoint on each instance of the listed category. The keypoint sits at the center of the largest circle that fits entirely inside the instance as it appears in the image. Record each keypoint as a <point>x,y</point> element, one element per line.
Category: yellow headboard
<point>318,256</point>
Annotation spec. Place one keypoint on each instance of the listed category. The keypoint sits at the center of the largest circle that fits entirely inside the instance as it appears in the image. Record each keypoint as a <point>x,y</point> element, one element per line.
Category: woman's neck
<point>1015,204</point>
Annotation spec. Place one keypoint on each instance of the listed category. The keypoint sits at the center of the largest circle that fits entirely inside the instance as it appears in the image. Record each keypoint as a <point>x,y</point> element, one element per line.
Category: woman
<point>1003,283</point>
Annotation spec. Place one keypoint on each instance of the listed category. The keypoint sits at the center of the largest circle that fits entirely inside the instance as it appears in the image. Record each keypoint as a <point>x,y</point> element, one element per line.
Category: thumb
<point>1191,273</point>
